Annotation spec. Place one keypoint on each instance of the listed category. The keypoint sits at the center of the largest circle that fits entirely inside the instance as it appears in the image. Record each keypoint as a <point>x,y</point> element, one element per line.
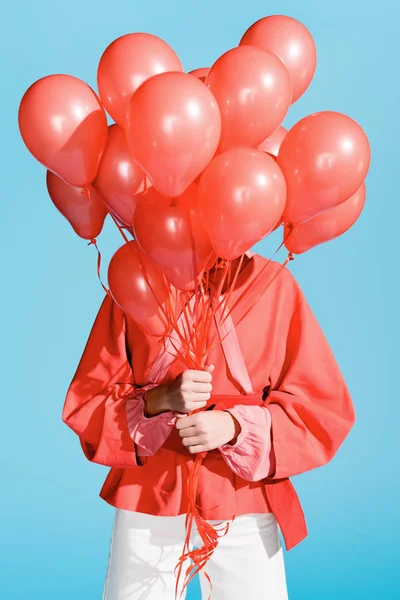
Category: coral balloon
<point>64,126</point>
<point>200,73</point>
<point>139,289</point>
<point>82,208</point>
<point>325,157</point>
<point>291,41</point>
<point>326,226</point>
<point>241,198</point>
<point>171,234</point>
<point>173,127</point>
<point>253,91</point>
<point>119,178</point>
<point>126,64</point>
<point>274,141</point>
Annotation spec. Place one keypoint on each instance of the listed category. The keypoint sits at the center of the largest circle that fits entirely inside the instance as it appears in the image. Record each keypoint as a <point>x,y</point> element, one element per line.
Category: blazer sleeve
<point>94,406</point>
<point>311,408</point>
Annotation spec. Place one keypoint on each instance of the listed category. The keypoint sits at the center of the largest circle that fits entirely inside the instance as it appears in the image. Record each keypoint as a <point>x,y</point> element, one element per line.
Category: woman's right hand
<point>189,391</point>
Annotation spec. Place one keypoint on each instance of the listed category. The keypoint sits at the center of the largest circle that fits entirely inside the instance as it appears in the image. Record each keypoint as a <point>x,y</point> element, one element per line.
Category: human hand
<point>189,391</point>
<point>207,430</point>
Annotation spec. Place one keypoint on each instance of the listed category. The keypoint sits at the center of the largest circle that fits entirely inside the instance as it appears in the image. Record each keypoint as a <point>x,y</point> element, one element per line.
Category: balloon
<point>82,208</point>
<point>325,157</point>
<point>119,178</point>
<point>291,41</point>
<point>126,64</point>
<point>326,225</point>
<point>173,127</point>
<point>138,288</point>
<point>241,198</point>
<point>253,91</point>
<point>274,141</point>
<point>171,234</point>
<point>64,126</point>
<point>200,73</point>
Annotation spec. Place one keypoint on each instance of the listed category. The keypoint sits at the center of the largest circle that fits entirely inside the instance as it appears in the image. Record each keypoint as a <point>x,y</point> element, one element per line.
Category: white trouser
<point>247,564</point>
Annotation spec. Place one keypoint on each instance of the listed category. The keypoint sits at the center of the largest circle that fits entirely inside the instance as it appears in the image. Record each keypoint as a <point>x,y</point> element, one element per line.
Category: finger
<point>193,440</point>
<point>197,449</point>
<point>194,402</point>
<point>188,432</point>
<point>196,387</point>
<point>198,376</point>
<point>209,368</point>
<point>184,423</point>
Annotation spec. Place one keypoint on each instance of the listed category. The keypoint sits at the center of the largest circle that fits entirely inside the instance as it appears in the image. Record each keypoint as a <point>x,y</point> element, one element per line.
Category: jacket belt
<point>216,402</point>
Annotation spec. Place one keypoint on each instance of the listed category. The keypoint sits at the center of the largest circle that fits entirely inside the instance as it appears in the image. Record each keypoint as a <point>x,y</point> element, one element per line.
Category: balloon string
<point>208,534</point>
<point>281,267</point>
<point>94,242</point>
<point>187,357</point>
<point>189,338</point>
<point>252,285</point>
<point>223,302</point>
<point>258,276</point>
<point>120,228</point>
<point>231,286</point>
<point>214,304</point>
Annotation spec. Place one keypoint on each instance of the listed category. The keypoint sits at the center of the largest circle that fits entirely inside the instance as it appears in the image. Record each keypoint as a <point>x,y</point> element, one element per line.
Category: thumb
<point>209,368</point>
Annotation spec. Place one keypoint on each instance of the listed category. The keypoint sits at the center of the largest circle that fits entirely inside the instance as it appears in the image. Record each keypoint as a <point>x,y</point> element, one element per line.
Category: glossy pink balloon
<point>241,198</point>
<point>171,234</point>
<point>200,73</point>
<point>64,126</point>
<point>274,141</point>
<point>291,41</point>
<point>253,91</point>
<point>326,226</point>
<point>119,178</point>
<point>173,128</point>
<point>139,289</point>
<point>126,64</point>
<point>82,208</point>
<point>325,157</point>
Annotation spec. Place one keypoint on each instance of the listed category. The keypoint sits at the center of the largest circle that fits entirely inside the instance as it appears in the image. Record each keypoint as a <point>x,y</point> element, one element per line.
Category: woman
<point>277,406</point>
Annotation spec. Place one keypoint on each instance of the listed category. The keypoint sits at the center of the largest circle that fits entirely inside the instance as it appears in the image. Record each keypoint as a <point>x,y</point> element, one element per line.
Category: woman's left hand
<point>207,430</point>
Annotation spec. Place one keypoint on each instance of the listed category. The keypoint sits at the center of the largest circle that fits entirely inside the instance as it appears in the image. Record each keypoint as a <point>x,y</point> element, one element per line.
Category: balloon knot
<point>290,256</point>
<point>222,264</point>
<point>92,241</point>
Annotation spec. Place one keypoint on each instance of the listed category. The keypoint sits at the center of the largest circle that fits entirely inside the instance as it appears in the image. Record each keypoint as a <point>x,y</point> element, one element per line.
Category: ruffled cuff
<point>148,433</point>
<point>250,456</point>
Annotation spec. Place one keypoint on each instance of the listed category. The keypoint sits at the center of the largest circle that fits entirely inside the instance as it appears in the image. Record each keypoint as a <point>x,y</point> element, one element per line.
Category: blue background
<point>56,530</point>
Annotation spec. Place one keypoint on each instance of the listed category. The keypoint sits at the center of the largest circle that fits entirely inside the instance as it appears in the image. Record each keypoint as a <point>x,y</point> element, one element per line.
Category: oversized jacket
<point>291,367</point>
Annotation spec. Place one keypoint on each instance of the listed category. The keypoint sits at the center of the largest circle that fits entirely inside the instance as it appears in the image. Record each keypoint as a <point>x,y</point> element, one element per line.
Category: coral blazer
<point>293,374</point>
